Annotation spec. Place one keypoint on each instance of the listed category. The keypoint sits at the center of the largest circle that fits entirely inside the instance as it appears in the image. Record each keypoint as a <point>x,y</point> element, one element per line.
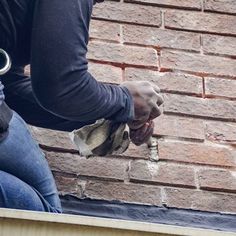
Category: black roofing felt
<point>152,214</point>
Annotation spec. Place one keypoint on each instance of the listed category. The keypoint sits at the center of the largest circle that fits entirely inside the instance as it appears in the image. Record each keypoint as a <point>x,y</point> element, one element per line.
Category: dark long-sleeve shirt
<point>52,36</point>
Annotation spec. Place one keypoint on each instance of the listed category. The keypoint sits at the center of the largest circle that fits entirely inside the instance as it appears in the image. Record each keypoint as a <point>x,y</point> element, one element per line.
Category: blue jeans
<point>26,182</point>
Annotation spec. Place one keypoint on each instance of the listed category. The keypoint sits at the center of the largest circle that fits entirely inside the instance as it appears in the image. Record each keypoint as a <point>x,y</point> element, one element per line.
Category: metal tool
<point>5,62</point>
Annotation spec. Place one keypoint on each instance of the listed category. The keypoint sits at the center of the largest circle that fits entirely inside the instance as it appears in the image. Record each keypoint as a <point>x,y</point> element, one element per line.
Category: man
<point>61,94</point>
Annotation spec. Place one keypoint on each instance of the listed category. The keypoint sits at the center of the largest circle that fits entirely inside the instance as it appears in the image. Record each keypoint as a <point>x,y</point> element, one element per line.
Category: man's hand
<point>146,100</point>
<point>143,134</point>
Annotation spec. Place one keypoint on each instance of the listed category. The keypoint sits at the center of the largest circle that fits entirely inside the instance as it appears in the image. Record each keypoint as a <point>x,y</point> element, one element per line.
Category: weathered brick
<point>197,153</point>
<point>161,38</point>
<point>140,152</point>
<point>220,87</point>
<point>188,4</point>
<point>121,54</point>
<point>132,193</point>
<point>129,13</point>
<point>51,138</point>
<point>167,82</point>
<point>200,21</point>
<point>162,174</point>
<point>100,167</point>
<point>67,185</point>
<point>221,131</point>
<point>199,107</point>
<point>200,200</point>
<point>218,180</point>
<point>106,73</point>
<point>179,127</point>
<point>104,30</point>
<point>200,64</point>
<point>215,44</point>
<point>223,6</point>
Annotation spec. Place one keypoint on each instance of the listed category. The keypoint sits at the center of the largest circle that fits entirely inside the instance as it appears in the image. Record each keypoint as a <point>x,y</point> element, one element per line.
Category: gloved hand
<point>146,100</point>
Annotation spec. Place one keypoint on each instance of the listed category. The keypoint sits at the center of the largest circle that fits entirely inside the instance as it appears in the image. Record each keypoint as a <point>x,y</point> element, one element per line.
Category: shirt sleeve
<point>59,68</point>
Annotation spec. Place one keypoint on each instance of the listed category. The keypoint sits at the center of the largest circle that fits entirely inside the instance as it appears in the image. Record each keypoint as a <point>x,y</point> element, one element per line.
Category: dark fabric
<point>5,117</point>
<point>60,86</point>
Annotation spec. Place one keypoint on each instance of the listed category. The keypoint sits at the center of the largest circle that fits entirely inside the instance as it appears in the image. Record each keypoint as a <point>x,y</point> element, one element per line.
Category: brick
<point>167,82</point>
<point>104,30</point>
<point>121,54</point>
<point>188,4</point>
<point>161,38</point>
<point>106,73</point>
<point>51,138</point>
<point>128,13</point>
<point>200,64</point>
<point>220,87</point>
<point>201,200</point>
<point>179,127</point>
<point>221,131</point>
<point>99,167</point>
<point>218,180</point>
<point>162,174</point>
<point>67,185</point>
<point>199,107</point>
<point>223,6</point>
<point>131,193</point>
<point>214,44</point>
<point>200,21</point>
<point>197,153</point>
<point>136,152</point>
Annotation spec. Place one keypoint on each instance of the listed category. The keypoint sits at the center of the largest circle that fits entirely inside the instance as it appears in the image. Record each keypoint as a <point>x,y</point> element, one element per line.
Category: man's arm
<point>60,77</point>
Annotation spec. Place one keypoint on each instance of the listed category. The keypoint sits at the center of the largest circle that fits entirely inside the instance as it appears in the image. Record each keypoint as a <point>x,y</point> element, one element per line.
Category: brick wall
<point>188,48</point>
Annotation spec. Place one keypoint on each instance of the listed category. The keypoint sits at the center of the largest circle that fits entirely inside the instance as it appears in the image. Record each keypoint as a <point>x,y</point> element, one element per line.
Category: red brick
<point>140,152</point>
<point>161,38</point>
<point>220,87</point>
<point>218,180</point>
<point>199,21</point>
<point>129,13</point>
<point>180,127</point>
<point>99,167</point>
<point>200,64</point>
<point>162,174</point>
<point>197,153</point>
<point>168,82</point>
<point>214,44</point>
<point>132,193</point>
<point>104,30</point>
<point>221,131</point>
<point>199,107</point>
<point>51,138</point>
<point>189,4</point>
<point>116,53</point>
<point>201,200</point>
<point>68,185</point>
<point>223,6</point>
<point>106,73</point>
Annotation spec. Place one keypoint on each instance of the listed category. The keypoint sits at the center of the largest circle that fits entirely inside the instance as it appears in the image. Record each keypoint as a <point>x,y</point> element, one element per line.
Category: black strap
<point>5,117</point>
